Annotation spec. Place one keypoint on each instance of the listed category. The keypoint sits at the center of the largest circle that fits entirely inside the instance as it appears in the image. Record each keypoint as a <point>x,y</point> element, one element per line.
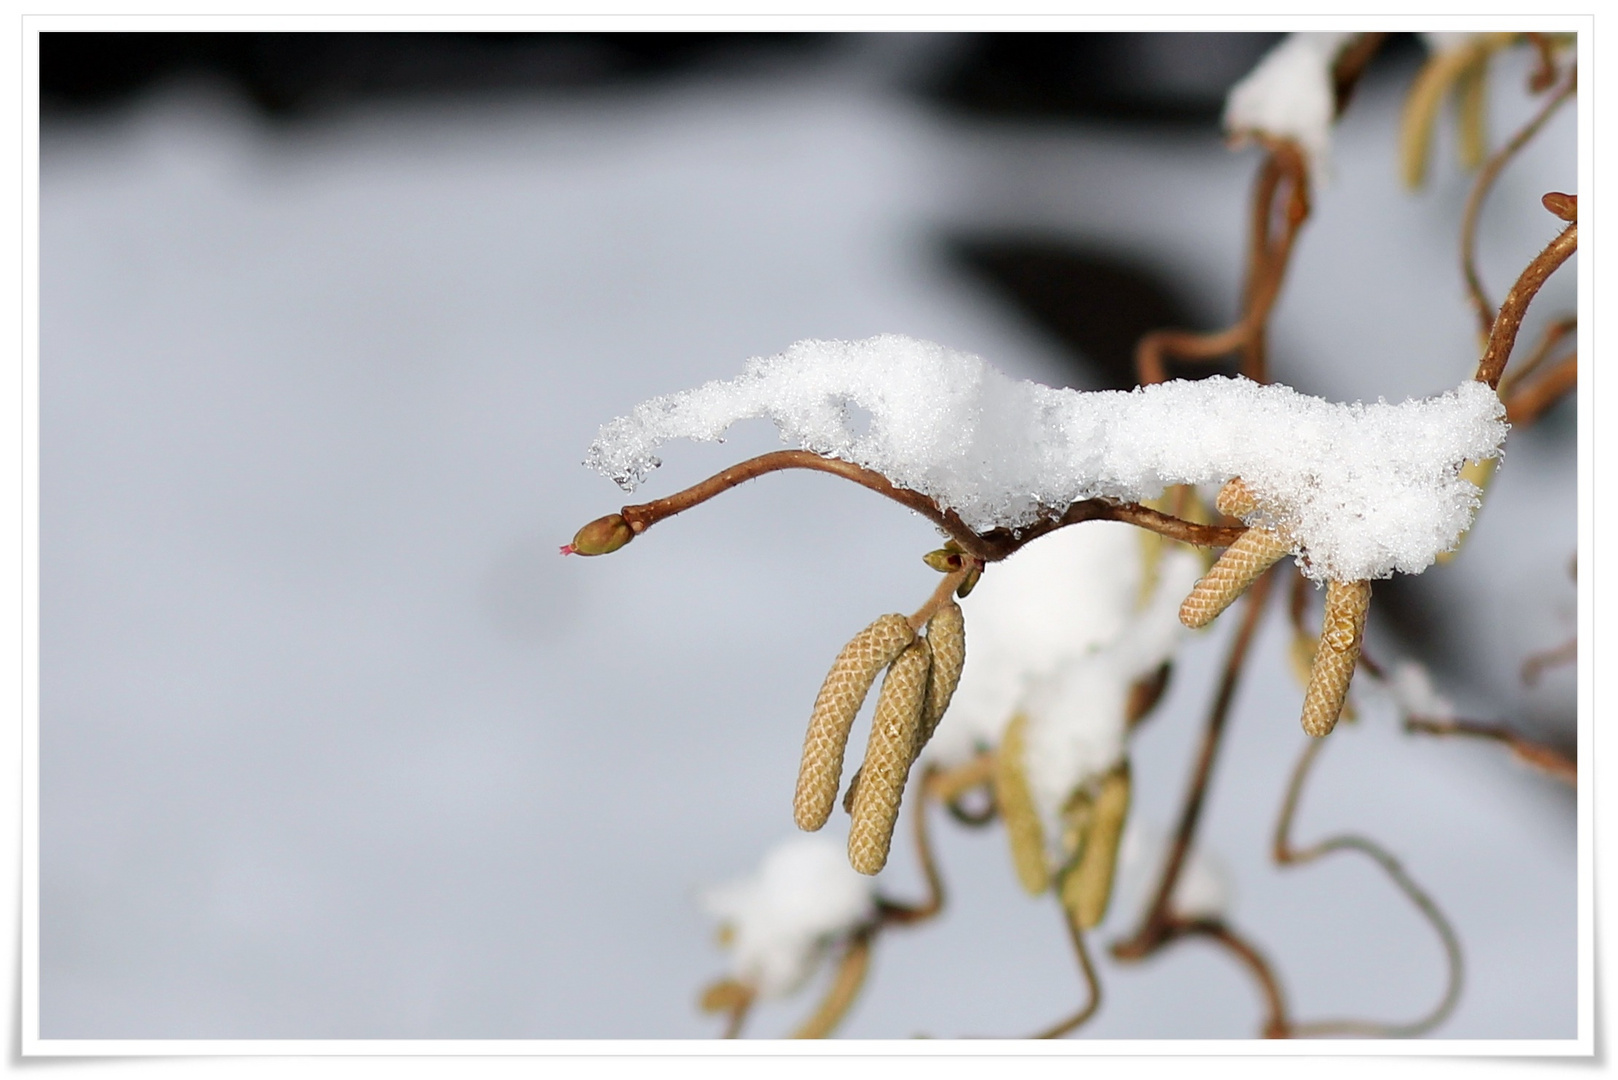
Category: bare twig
<point>1527,404</point>
<point>1216,930</point>
<point>1267,261</point>
<point>1092,984</point>
<point>991,546</point>
<point>1150,936</point>
<point>1480,191</point>
<point>1350,65</point>
<point>1503,335</point>
<point>1549,338</point>
<point>1287,855</point>
<point>1547,759</point>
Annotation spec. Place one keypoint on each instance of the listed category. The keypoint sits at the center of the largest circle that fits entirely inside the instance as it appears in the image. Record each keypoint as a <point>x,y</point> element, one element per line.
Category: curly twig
<point>991,546</point>
<point>1547,759</point>
<point>845,987</point>
<point>1287,855</point>
<point>1480,191</point>
<point>1503,334</point>
<point>1092,984</point>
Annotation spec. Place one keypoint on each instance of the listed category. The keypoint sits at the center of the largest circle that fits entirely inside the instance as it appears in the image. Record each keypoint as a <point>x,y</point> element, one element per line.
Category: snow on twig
<point>1362,490</point>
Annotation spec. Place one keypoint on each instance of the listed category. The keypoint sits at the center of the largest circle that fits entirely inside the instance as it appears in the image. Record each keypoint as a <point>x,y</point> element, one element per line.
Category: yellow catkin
<point>1472,94</point>
<point>1236,498</point>
<point>1253,553</point>
<point>1426,95</point>
<point>1017,810</point>
<point>1087,887</point>
<point>875,807</point>
<point>1339,651</point>
<point>841,696</point>
<point>946,635</point>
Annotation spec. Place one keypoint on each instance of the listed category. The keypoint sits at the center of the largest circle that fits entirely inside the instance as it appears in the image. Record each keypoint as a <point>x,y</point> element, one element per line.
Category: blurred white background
<point>334,745</point>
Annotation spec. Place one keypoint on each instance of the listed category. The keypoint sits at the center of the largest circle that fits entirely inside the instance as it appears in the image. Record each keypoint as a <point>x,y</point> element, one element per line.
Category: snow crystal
<point>1290,95</point>
<point>1362,490</point>
<point>782,918</point>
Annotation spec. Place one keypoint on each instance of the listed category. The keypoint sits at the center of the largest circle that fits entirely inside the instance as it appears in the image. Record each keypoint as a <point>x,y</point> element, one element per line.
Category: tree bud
<point>603,536</point>
<point>943,560</point>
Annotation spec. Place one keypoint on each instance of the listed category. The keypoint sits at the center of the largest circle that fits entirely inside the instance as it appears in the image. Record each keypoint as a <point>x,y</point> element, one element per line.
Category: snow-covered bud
<point>1023,829</point>
<point>1340,633</point>
<point>841,695</point>
<point>1254,552</point>
<point>1290,95</point>
<point>875,805</point>
<point>603,536</point>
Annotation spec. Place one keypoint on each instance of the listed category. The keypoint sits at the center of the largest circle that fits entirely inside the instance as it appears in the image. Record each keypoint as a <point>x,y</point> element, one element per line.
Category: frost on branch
<point>1361,490</point>
<point>1290,95</point>
<point>781,920</point>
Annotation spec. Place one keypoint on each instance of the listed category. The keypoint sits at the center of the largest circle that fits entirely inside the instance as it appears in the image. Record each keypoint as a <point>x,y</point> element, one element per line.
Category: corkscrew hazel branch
<point>1287,855</point>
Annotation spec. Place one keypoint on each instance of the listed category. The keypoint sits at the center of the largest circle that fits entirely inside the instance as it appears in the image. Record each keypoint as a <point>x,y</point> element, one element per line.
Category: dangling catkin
<point>841,696</point>
<point>1017,810</point>
<point>887,758</point>
<point>1340,632</point>
<point>1087,888</point>
<point>946,635</point>
<point>1236,498</point>
<point>1253,553</point>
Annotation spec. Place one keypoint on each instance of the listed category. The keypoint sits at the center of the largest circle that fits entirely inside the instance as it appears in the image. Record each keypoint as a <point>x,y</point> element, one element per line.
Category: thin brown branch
<point>1350,65</point>
<point>845,987</point>
<point>1549,338</point>
<point>1546,758</point>
<point>1287,855</point>
<point>1150,936</point>
<point>1216,930</point>
<point>1527,404</point>
<point>890,911</point>
<point>1536,665</point>
<point>1503,335</point>
<point>1267,261</point>
<point>1092,984</point>
<point>991,546</point>
<point>1481,305</point>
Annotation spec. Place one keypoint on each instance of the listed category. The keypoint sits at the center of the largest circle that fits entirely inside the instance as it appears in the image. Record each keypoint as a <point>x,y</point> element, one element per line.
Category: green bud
<point>943,560</point>
<point>969,582</point>
<point>603,536</point>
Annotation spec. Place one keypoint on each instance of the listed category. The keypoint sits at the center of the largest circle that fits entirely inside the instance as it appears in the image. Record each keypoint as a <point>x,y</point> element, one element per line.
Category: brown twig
<point>1267,261</point>
<point>1092,984</point>
<point>1159,916</point>
<point>845,987</point>
<point>1480,191</point>
<point>1350,65</point>
<point>1287,855</point>
<point>1535,665</point>
<point>1547,759</point>
<point>991,546</point>
<point>1549,338</point>
<point>1527,404</point>
<point>950,786</point>
<point>1218,931</point>
<point>1503,334</point>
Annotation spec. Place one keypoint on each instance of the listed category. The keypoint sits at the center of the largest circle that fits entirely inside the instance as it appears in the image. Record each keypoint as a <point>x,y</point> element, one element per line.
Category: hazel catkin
<point>839,701</point>
<point>1087,886</point>
<point>1341,630</point>
<point>875,806</point>
<point>1016,802</point>
<point>946,636</point>
<point>1254,552</point>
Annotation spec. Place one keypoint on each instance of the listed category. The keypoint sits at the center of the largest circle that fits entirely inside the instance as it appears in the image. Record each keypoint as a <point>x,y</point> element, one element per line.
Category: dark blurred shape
<point>1164,77</point>
<point>289,74</point>
<point>1096,303</point>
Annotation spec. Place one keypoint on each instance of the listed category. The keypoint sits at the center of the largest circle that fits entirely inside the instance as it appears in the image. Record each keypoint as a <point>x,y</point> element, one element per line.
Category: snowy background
<point>335,745</point>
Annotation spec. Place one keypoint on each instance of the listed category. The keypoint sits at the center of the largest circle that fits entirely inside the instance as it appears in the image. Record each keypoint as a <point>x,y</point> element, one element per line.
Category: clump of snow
<point>1063,595</point>
<point>1290,95</point>
<point>781,919</point>
<point>1413,693</point>
<point>1077,719</point>
<point>1362,490</point>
